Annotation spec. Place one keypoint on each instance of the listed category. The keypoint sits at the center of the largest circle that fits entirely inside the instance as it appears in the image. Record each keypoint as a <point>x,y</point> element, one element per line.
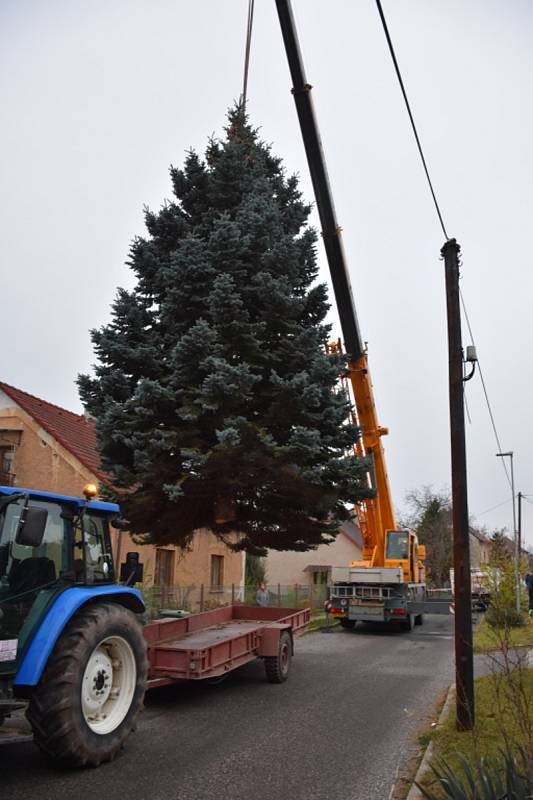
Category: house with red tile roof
<point>44,446</point>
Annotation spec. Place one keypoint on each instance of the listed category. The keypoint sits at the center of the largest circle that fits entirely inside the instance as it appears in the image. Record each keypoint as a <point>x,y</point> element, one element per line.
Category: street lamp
<point>509,455</point>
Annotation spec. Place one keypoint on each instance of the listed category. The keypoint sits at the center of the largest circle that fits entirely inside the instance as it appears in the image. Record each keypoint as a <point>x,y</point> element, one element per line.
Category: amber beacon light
<point>90,490</point>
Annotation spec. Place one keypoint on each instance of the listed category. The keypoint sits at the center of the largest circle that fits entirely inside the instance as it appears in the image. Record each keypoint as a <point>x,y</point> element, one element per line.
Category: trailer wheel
<point>277,668</point>
<point>419,619</point>
<point>92,689</point>
<point>349,624</point>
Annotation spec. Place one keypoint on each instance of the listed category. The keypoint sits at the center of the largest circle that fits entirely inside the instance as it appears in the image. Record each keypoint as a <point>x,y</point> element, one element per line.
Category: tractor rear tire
<point>277,668</point>
<point>349,624</point>
<point>92,689</point>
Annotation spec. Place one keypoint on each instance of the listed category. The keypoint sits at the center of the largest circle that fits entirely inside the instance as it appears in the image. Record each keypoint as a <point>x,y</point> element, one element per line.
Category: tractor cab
<point>61,613</point>
<point>48,542</point>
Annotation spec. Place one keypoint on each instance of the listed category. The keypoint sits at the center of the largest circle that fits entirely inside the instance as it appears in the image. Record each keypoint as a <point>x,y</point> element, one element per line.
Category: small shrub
<point>255,570</point>
<point>211,603</point>
<point>506,780</point>
<point>504,617</point>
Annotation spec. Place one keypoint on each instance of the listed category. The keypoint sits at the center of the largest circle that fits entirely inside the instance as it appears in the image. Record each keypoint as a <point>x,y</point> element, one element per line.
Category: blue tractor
<point>72,649</point>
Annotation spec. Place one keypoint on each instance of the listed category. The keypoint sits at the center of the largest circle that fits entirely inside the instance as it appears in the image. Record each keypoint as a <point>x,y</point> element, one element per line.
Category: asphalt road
<point>343,726</point>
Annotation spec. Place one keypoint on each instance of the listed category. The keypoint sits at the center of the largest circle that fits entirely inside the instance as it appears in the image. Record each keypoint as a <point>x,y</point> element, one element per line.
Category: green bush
<point>502,612</point>
<point>504,617</point>
<point>255,570</point>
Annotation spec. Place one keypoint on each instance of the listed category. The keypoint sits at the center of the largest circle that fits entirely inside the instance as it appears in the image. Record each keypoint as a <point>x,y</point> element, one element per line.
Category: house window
<point>320,577</point>
<point>7,461</point>
<point>6,466</point>
<point>164,567</point>
<point>217,573</point>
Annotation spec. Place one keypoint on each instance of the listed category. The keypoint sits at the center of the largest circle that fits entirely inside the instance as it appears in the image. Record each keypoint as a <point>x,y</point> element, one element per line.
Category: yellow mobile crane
<point>389,583</point>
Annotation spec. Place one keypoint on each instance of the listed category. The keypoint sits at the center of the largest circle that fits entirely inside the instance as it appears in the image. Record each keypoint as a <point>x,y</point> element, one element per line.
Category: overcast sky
<point>99,97</point>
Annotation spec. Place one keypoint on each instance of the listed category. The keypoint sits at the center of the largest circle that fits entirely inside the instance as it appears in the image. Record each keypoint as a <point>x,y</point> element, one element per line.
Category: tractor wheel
<point>277,667</point>
<point>349,624</point>
<point>92,689</point>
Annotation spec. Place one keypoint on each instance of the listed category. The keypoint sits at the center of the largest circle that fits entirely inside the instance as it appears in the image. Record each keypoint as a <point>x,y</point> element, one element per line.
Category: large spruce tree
<point>215,402</point>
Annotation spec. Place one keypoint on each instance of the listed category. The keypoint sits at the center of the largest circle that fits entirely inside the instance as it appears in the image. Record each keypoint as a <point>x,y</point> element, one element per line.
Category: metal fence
<point>440,594</point>
<point>202,597</point>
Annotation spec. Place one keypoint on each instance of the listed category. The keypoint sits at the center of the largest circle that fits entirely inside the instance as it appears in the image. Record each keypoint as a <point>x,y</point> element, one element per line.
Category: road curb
<point>414,793</point>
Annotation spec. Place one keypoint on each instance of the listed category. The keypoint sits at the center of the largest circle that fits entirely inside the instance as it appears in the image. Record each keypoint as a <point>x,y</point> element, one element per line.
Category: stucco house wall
<point>287,567</point>
<point>190,567</point>
<point>479,549</point>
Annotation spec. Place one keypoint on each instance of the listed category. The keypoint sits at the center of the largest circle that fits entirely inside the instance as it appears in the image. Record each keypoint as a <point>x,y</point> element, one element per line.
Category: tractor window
<point>398,545</point>
<point>98,561</point>
<point>27,568</point>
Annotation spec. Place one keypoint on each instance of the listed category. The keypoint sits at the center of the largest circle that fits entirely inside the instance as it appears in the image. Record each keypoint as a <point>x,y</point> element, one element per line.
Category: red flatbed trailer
<point>212,643</point>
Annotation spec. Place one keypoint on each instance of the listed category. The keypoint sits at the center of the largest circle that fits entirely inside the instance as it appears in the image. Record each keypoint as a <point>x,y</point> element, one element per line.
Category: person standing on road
<point>529,583</point>
<point>262,596</point>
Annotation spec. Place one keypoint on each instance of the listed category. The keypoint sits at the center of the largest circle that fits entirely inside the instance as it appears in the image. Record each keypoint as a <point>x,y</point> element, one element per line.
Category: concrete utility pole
<point>464,660</point>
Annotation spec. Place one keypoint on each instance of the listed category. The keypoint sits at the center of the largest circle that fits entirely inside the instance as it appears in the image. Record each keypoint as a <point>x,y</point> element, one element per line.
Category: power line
<point>466,401</point>
<point>491,415</point>
<point>417,138</point>
<point>498,505</point>
<point>399,75</point>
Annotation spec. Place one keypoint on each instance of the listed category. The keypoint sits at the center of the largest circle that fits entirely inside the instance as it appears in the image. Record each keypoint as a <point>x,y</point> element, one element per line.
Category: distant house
<point>480,548</point>
<point>287,567</point>
<point>43,446</point>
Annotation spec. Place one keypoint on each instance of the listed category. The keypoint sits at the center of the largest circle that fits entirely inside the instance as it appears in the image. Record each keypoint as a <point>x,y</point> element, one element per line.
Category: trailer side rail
<point>213,643</point>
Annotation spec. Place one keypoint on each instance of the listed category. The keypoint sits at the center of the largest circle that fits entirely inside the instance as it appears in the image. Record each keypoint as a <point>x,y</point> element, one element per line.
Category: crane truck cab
<point>401,550</point>
<point>71,643</point>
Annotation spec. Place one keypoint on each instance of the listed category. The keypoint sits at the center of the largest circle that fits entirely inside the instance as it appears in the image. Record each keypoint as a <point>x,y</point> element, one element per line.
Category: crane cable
<point>249,26</point>
<point>399,76</point>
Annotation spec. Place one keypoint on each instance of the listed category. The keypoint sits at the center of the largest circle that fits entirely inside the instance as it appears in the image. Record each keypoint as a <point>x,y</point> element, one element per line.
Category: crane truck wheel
<point>349,624</point>
<point>409,622</point>
<point>277,668</point>
<point>85,705</point>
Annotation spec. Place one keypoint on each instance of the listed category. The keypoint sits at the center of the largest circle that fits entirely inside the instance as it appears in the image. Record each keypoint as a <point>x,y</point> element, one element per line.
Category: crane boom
<point>331,231</point>
<point>377,515</point>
